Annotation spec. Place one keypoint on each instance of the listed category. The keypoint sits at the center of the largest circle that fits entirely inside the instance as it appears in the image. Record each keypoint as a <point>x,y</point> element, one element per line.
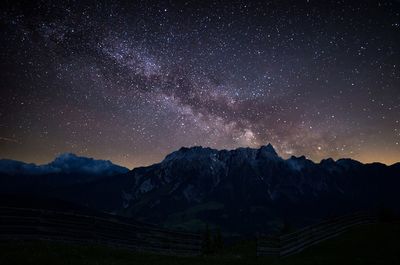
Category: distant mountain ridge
<point>242,191</point>
<point>65,170</point>
<point>64,163</point>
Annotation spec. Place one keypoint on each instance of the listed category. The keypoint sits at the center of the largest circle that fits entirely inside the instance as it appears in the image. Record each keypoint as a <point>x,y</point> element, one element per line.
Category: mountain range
<point>242,191</point>
<point>66,170</point>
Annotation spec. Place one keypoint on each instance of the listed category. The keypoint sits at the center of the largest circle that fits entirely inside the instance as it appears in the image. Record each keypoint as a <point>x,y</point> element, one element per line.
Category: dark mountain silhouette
<point>66,170</point>
<point>242,191</point>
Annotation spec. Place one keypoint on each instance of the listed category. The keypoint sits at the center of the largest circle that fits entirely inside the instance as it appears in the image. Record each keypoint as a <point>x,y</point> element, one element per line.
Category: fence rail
<point>292,243</point>
<point>22,224</point>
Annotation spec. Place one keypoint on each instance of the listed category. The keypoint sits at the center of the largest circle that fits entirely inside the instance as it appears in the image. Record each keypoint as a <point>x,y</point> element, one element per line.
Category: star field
<point>131,82</point>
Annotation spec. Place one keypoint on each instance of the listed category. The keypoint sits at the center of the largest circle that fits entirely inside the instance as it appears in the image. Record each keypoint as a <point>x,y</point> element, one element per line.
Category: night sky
<point>131,82</point>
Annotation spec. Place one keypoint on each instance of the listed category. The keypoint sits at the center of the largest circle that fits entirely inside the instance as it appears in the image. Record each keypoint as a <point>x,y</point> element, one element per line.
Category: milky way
<point>133,82</point>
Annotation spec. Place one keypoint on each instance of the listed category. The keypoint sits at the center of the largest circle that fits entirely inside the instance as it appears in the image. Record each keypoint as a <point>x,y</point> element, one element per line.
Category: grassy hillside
<point>41,253</point>
<point>368,244</point>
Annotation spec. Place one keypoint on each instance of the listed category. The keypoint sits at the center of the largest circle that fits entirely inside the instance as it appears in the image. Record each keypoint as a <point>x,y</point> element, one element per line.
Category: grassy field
<point>369,244</point>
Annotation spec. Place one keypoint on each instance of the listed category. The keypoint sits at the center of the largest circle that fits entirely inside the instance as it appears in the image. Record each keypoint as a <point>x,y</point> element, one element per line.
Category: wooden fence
<point>37,224</point>
<point>292,243</point>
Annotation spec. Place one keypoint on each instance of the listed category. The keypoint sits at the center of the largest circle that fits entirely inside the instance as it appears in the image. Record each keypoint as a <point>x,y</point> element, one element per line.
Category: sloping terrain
<point>367,244</point>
